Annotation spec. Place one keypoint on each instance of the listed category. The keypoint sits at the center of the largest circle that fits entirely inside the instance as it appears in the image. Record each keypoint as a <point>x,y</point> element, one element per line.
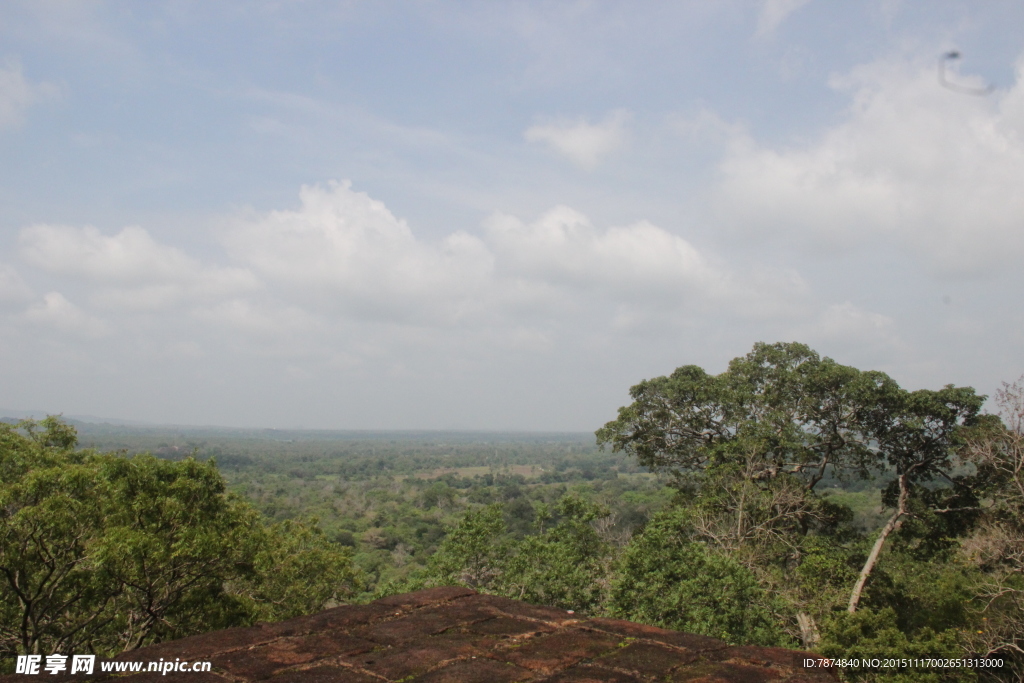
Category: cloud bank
<point>342,259</point>
<point>129,269</point>
<point>332,304</point>
<point>913,166</point>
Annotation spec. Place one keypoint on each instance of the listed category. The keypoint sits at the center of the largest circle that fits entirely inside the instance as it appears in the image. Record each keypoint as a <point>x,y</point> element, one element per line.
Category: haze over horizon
<point>483,216</point>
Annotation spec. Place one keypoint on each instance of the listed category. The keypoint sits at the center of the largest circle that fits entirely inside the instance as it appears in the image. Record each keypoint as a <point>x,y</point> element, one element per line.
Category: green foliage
<point>52,597</point>
<point>394,525</point>
<point>824,568</point>
<point>298,571</point>
<point>473,552</point>
<point>105,553</point>
<point>565,565</point>
<point>168,540</point>
<point>934,594</point>
<point>782,470</point>
<point>748,447</point>
<point>919,435</point>
<point>996,545</point>
<point>920,432</point>
<point>869,634</point>
<point>800,413</point>
<point>669,581</point>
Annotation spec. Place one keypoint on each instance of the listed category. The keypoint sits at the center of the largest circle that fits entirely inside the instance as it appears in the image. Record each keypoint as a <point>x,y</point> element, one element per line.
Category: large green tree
<point>106,553</point>
<point>781,409</point>
<point>748,448</point>
<point>53,598</point>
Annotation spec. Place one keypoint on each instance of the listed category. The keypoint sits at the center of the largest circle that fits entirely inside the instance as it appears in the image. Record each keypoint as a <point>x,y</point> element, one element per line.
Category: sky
<point>497,216</point>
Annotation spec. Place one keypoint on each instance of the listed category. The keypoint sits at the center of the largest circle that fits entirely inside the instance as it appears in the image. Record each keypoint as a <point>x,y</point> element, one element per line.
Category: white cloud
<point>774,12</point>
<point>13,288</point>
<point>340,287</point>
<point>582,143</point>
<point>342,258</point>
<point>342,255</point>
<point>919,166</point>
<point>131,269</point>
<point>563,247</point>
<point>18,94</point>
<point>57,312</point>
<point>341,282</point>
<point>853,330</point>
<point>641,266</point>
<point>129,256</point>
<point>349,252</point>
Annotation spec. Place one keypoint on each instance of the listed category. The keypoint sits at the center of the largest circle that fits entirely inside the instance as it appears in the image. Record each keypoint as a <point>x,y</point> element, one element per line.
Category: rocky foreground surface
<point>455,635</point>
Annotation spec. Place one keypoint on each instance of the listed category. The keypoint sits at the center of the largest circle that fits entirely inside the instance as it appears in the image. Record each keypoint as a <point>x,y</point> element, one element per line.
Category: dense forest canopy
<point>789,500</point>
<point>105,553</point>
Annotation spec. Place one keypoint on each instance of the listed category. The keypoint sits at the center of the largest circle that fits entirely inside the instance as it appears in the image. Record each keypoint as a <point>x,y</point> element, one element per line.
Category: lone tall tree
<point>778,419</point>
<point>749,446</point>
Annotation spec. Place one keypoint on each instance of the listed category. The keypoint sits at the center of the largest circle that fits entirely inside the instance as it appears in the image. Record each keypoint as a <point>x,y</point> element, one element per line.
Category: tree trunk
<point>739,514</point>
<point>808,630</point>
<point>892,525</point>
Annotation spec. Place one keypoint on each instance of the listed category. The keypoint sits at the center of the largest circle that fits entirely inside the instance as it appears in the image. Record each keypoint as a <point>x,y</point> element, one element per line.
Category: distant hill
<point>91,425</point>
<point>11,416</point>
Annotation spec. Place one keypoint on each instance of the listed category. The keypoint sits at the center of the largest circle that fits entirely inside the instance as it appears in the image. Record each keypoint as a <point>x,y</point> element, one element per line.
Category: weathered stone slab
<point>454,635</point>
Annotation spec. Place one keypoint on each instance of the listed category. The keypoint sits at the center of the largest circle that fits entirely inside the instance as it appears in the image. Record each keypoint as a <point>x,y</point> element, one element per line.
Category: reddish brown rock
<point>454,635</point>
<point>649,659</point>
<point>562,650</point>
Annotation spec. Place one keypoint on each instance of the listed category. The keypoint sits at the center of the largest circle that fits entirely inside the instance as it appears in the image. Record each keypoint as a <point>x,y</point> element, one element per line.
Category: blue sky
<point>496,215</point>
